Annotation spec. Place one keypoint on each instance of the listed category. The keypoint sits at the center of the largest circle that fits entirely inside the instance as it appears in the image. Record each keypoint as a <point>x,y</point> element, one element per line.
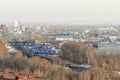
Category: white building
<point>113,38</point>
<point>64,39</point>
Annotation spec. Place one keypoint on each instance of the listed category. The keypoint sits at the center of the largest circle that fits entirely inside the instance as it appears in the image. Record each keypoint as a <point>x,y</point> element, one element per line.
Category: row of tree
<point>105,67</point>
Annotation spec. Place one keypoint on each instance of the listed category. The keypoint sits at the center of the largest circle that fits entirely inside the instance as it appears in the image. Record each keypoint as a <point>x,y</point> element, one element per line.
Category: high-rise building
<point>17,24</point>
<point>17,27</point>
<point>3,27</point>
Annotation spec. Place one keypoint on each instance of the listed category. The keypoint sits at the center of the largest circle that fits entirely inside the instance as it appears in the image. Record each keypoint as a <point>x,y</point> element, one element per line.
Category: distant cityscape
<point>99,36</point>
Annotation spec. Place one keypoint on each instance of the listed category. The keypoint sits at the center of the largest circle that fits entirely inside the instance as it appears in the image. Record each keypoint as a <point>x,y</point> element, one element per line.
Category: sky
<point>60,11</point>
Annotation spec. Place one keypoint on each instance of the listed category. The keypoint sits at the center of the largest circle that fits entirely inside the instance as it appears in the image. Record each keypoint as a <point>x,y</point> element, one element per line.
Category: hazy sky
<point>60,10</point>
